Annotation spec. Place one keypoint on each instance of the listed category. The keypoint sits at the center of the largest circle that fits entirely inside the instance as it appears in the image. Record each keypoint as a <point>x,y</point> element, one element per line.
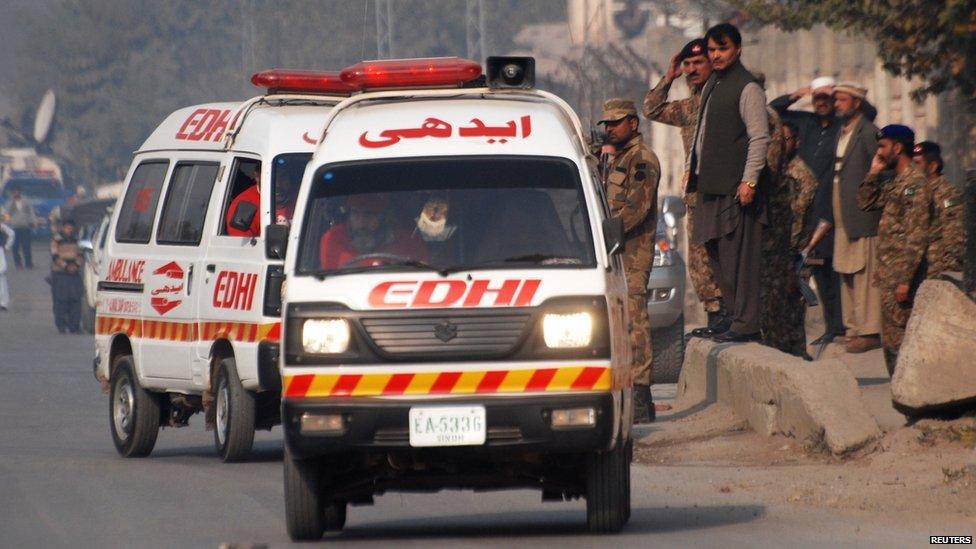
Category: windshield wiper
<point>416,263</point>
<point>528,258</point>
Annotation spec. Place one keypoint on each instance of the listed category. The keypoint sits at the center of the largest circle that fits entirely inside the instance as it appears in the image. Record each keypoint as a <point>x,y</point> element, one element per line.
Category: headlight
<point>567,331</point>
<point>323,337</point>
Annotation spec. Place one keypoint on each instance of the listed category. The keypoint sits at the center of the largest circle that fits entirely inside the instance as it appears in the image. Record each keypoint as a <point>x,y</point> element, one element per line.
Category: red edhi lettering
<point>234,290</point>
<point>204,125</point>
<point>448,293</point>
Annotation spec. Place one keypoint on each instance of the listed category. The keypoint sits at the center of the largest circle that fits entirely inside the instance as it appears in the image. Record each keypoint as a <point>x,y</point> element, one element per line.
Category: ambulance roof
<point>281,124</point>
<point>450,123</point>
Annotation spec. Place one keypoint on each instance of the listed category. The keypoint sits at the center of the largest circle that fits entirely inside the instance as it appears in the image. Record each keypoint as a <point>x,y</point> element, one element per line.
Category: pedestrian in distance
<point>631,188</point>
<point>66,286</point>
<point>947,234</point>
<point>727,168</point>
<point>7,239</point>
<point>693,62</point>
<point>22,218</point>
<point>903,231</point>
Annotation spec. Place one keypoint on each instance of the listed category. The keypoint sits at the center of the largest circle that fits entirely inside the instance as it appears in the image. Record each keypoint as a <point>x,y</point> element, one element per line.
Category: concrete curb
<point>778,393</point>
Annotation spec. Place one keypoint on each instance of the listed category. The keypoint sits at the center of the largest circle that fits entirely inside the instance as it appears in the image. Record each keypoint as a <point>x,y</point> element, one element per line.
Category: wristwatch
<point>752,184</point>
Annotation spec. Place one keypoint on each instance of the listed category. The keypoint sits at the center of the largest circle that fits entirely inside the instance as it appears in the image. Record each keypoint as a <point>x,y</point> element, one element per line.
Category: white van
<point>454,313</point>
<point>188,305</point>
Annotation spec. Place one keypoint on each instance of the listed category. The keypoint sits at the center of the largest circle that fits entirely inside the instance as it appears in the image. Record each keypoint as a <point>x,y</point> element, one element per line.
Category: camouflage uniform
<point>803,187</point>
<point>634,173</point>
<point>947,235</point>
<point>903,235</point>
<point>684,114</point>
<point>782,308</point>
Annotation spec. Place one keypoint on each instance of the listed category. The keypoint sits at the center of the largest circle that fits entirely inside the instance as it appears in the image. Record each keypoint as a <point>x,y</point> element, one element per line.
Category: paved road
<point>62,484</point>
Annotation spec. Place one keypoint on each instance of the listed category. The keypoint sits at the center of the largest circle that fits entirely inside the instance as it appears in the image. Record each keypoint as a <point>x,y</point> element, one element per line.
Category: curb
<point>817,402</point>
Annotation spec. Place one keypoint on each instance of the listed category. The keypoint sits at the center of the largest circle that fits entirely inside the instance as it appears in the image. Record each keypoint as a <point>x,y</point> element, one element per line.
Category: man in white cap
<point>817,147</point>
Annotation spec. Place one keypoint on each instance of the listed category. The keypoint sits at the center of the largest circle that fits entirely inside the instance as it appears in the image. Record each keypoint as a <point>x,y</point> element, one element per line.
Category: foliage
<point>120,66</point>
<point>931,39</point>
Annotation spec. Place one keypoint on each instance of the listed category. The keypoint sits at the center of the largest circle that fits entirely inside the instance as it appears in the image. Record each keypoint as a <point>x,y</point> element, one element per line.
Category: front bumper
<point>665,293</point>
<point>516,422</point>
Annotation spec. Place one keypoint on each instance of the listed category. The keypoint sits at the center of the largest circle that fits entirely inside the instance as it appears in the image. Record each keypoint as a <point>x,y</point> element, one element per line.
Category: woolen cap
<point>617,108</point>
<point>853,89</point>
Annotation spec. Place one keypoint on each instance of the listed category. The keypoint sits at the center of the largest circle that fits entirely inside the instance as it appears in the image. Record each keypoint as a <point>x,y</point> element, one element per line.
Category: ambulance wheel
<point>233,414</point>
<point>134,412</point>
<point>304,513</point>
<point>608,490</point>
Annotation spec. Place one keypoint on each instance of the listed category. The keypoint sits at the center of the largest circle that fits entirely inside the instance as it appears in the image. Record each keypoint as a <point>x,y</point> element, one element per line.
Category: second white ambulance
<point>454,307</point>
<point>188,303</point>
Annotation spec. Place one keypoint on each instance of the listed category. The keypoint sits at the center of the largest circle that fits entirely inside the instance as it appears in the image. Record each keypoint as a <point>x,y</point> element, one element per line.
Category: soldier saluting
<point>633,173</point>
<point>903,232</point>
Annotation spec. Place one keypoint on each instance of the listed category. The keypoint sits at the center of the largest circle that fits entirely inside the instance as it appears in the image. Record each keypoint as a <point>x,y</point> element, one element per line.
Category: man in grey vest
<point>727,167</point>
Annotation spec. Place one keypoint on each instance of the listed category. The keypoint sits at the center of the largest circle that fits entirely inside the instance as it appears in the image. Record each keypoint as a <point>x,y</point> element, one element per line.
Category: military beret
<point>693,49</point>
<point>927,147</point>
<point>897,132</point>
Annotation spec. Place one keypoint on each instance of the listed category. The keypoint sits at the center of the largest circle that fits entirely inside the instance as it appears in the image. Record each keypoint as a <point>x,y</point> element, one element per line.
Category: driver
<point>369,229</point>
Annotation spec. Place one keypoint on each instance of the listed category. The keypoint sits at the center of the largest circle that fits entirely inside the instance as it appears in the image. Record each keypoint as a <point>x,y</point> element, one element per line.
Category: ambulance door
<point>232,300</point>
<point>174,273</point>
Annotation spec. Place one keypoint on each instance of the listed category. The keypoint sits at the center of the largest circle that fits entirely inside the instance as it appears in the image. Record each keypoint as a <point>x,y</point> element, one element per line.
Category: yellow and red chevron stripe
<point>569,378</point>
<point>165,330</point>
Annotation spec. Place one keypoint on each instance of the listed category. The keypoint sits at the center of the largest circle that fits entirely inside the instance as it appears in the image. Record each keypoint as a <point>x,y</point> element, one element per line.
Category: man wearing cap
<point>369,230</point>
<point>903,232</point>
<point>634,174</point>
<point>693,61</point>
<point>727,167</point>
<point>817,147</point>
<point>947,234</point>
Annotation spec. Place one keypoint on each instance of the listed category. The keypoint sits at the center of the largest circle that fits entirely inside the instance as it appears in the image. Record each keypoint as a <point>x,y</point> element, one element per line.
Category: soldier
<point>634,173</point>
<point>947,235</point>
<point>693,61</point>
<point>802,184</point>
<point>903,232</point>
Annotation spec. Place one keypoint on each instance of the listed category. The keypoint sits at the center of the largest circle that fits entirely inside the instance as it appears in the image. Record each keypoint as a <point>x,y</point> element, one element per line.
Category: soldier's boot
<point>644,411</point>
<point>718,322</point>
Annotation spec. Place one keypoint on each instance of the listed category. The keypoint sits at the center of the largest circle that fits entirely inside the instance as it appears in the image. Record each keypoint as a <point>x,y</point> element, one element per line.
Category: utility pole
<point>474,25</point>
<point>384,29</point>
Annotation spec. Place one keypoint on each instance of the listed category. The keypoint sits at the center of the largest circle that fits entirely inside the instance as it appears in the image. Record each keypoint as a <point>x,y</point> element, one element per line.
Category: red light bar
<point>410,73</point>
<point>277,80</point>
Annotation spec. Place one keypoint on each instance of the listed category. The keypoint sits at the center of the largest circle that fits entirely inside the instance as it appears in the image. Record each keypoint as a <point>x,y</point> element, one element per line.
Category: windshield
<point>286,178</point>
<point>445,214</point>
<point>38,189</point>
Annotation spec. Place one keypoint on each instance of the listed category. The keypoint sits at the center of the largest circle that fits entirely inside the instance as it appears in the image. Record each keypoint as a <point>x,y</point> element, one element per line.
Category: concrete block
<point>778,393</point>
<point>937,361</point>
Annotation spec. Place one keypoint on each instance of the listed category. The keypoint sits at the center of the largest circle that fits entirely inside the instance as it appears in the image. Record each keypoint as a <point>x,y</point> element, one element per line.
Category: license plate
<point>447,426</point>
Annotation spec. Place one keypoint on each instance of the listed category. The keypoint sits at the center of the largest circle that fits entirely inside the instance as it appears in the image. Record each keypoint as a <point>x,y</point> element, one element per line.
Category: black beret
<point>899,133</point>
<point>928,147</point>
<point>693,49</point>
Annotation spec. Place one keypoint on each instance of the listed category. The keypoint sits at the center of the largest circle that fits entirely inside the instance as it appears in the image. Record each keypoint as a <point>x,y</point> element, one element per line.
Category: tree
<point>930,39</point>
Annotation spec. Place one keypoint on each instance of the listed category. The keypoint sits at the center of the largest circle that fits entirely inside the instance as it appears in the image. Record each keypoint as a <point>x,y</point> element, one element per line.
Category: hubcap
<point>222,411</point>
<point>122,409</point>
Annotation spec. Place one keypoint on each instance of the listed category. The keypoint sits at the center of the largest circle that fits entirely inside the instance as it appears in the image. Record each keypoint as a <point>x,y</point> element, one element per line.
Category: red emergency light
<point>411,73</point>
<point>278,80</point>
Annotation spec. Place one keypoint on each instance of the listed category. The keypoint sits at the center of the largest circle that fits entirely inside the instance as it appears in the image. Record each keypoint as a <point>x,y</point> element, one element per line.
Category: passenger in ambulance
<point>251,194</point>
<point>285,192</point>
<point>370,235</point>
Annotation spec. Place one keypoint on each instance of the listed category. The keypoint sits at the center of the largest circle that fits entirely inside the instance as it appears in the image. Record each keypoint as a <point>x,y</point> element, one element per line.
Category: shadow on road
<point>263,452</point>
<point>551,523</point>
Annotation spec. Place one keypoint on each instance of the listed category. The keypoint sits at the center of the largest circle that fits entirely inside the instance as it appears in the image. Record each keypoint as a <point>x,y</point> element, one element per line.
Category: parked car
<point>665,296</point>
<point>92,218</point>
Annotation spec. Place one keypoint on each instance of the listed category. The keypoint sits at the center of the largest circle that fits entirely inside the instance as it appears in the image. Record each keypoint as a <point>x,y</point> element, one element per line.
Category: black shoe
<point>717,323</point>
<point>731,336</point>
<point>643,405</point>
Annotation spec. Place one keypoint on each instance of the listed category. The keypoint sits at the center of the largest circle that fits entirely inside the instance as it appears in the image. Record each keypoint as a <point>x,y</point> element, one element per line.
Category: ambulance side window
<point>138,210</point>
<point>244,175</point>
<point>185,208</point>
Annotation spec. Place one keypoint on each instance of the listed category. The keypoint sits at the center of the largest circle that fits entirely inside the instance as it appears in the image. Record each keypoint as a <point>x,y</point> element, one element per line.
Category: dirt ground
<point>924,472</point>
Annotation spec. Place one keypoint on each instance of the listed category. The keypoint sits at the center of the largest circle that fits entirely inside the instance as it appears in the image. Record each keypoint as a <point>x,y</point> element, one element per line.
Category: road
<point>62,483</point>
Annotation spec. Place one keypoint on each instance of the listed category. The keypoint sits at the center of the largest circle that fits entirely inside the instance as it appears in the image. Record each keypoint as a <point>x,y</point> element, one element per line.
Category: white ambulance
<point>454,307</point>
<point>188,303</point>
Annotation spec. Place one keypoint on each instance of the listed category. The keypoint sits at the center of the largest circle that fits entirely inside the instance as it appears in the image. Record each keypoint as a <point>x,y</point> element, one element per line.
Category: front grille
<point>467,334</point>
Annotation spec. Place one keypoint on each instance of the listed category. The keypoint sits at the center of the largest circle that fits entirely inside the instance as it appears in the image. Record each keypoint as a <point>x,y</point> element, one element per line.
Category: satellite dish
<point>44,117</point>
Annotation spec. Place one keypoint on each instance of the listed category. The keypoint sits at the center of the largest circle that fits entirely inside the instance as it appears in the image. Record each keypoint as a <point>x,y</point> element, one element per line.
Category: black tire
<point>233,414</point>
<point>304,512</point>
<point>335,516</point>
<point>668,345</point>
<point>133,412</point>
<point>87,323</point>
<point>608,490</point>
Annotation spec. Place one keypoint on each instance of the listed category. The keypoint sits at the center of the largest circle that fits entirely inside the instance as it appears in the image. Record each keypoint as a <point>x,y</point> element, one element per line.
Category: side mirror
<point>86,246</point>
<point>243,215</point>
<point>275,241</point>
<point>613,234</point>
<point>674,206</point>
